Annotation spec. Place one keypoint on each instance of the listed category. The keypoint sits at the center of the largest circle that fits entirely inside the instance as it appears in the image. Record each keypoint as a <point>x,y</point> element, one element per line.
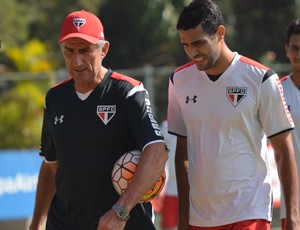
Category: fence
<point>155,80</point>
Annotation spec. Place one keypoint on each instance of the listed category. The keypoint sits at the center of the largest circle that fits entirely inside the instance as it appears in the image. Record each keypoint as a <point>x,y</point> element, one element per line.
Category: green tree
<point>260,26</point>
<point>49,17</point>
<point>21,116</point>
<point>22,101</point>
<point>140,32</point>
<point>143,32</point>
<point>23,21</point>
<point>16,17</point>
<point>33,57</point>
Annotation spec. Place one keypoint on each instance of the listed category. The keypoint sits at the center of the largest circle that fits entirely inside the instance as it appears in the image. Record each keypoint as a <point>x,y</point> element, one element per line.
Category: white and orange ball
<point>123,172</point>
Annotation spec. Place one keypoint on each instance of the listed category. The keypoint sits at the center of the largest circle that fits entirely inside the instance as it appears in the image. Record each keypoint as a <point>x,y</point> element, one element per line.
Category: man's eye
<point>85,51</point>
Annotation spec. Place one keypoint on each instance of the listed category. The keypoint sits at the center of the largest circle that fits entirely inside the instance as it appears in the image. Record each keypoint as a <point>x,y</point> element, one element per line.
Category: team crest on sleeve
<point>106,112</point>
<point>236,94</point>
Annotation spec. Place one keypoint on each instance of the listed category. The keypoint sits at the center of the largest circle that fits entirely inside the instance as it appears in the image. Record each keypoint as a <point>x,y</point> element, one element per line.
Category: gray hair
<point>101,43</point>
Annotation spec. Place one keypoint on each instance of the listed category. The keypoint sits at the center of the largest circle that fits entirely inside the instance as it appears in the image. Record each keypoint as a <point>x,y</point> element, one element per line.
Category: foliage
<point>31,57</point>
<point>21,116</point>
<point>22,102</point>
<point>49,18</point>
<point>140,32</point>
<point>23,21</point>
<point>143,32</point>
<point>259,26</point>
<point>16,18</point>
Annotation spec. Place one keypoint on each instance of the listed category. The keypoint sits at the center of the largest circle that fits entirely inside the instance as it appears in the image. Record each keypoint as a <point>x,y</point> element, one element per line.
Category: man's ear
<point>105,49</point>
<point>221,32</point>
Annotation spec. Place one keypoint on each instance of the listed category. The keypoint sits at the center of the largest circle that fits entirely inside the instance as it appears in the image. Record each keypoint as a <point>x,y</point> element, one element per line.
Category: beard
<point>206,65</point>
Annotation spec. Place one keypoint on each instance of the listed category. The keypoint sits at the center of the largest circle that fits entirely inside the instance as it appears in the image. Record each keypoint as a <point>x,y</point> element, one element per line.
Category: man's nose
<point>192,51</point>
<point>77,59</point>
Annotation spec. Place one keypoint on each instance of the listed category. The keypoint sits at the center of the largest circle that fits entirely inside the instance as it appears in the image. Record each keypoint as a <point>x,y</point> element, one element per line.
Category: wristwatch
<point>121,212</point>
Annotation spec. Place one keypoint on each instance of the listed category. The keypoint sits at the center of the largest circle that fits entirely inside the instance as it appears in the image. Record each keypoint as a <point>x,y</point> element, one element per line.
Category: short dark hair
<point>293,28</point>
<point>205,12</point>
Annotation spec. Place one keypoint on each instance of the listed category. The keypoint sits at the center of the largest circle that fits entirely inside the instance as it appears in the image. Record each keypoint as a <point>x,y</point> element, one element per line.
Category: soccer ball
<point>123,172</point>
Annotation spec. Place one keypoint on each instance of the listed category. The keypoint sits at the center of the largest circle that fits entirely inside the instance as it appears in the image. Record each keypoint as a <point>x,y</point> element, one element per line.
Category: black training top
<point>86,138</point>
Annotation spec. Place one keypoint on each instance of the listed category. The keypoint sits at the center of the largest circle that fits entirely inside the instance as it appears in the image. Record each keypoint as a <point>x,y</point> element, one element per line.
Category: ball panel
<point>129,166</point>
<point>123,173</point>
<point>127,174</point>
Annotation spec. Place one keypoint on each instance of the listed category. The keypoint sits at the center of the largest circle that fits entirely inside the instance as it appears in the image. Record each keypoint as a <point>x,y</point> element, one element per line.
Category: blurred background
<point>144,45</point>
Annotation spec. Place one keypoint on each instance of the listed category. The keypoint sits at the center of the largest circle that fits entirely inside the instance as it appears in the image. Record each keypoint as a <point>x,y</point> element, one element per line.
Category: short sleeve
<point>176,124</point>
<point>47,148</point>
<point>273,112</point>
<point>140,117</point>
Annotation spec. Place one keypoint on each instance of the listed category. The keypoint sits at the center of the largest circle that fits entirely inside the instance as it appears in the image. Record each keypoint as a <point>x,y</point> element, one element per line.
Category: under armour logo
<point>58,119</point>
<point>191,99</point>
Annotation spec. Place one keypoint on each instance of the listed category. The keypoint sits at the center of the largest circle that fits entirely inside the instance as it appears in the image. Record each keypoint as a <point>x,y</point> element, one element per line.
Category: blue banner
<point>19,170</point>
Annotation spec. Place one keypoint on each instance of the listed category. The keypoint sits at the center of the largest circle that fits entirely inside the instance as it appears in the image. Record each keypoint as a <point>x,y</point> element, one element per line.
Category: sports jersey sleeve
<point>176,124</point>
<point>140,117</point>
<point>274,114</point>
<point>47,148</point>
